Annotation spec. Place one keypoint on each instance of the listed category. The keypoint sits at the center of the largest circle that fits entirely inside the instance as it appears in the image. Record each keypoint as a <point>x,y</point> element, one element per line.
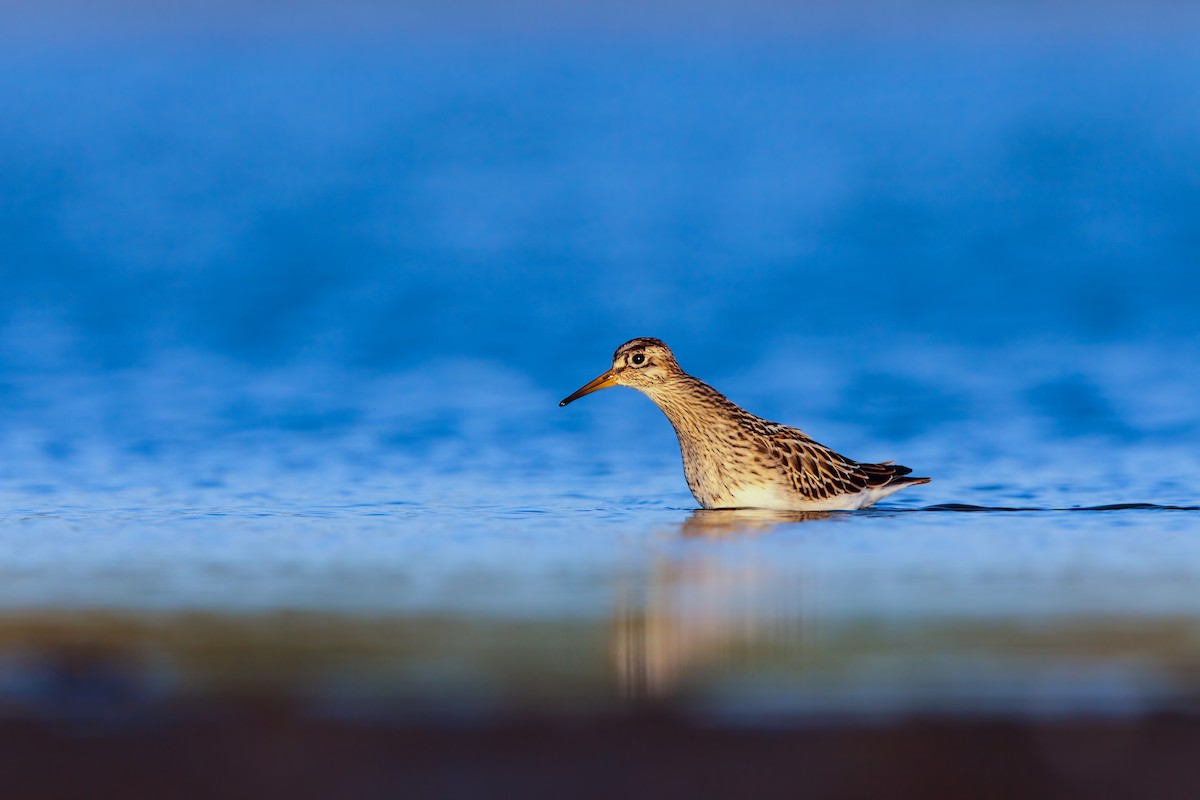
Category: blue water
<point>284,328</point>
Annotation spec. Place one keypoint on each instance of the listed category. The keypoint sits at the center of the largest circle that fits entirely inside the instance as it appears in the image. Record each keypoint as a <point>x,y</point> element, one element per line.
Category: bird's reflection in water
<point>718,522</point>
<point>696,609</point>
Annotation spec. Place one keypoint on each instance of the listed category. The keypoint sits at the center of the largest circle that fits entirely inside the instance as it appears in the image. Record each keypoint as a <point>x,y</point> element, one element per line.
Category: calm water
<point>283,332</point>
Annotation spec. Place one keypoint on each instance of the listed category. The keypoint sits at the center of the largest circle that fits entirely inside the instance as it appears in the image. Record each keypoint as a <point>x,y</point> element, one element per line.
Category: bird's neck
<point>715,437</point>
<point>693,407</point>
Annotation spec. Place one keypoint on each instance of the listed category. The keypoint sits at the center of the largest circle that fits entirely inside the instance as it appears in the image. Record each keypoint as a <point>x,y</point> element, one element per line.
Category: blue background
<point>289,294</point>
<point>393,237</point>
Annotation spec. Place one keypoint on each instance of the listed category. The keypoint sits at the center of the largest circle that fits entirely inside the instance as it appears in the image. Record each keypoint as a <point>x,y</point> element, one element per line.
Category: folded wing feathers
<point>820,473</point>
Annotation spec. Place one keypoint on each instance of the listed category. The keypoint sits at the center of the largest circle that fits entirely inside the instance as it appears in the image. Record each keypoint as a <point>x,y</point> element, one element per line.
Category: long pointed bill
<point>603,382</point>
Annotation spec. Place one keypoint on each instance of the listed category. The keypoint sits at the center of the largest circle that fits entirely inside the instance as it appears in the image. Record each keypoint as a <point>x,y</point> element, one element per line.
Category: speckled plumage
<point>733,459</point>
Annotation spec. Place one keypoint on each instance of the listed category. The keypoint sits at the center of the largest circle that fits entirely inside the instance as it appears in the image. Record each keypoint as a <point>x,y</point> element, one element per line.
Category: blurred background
<point>289,293</point>
<point>416,222</point>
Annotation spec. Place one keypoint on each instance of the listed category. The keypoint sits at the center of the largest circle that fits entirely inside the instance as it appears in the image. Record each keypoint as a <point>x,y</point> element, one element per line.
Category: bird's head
<point>643,363</point>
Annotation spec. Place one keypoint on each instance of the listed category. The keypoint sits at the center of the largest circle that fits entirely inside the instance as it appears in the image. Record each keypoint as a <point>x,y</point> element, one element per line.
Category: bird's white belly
<point>779,499</point>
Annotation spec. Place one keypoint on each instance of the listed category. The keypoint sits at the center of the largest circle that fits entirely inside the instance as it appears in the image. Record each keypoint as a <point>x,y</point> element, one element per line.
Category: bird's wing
<point>820,473</point>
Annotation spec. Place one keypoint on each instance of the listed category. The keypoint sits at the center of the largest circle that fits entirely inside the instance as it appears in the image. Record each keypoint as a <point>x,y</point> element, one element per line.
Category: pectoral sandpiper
<point>733,459</point>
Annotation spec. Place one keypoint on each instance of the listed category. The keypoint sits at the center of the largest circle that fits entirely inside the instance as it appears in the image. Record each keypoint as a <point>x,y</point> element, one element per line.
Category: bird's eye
<point>638,358</point>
